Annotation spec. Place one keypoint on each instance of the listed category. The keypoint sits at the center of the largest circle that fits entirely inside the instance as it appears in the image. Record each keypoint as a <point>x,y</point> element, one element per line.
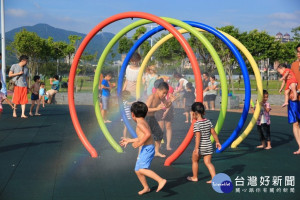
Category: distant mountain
<point>45,31</point>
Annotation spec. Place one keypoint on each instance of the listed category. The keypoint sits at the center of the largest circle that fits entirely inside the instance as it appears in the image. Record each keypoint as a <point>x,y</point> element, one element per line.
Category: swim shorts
<point>145,157</point>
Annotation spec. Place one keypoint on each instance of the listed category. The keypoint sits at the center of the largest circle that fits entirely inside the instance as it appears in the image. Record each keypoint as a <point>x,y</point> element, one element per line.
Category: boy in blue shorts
<point>106,87</point>
<point>145,141</point>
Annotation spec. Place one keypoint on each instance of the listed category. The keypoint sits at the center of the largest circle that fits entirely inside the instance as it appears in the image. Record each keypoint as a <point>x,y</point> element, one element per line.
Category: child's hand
<point>218,145</point>
<point>161,106</point>
<point>124,142</point>
<point>280,91</point>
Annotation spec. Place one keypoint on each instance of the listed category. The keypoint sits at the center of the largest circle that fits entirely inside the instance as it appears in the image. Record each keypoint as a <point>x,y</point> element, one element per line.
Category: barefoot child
<point>3,98</point>
<point>203,128</point>
<point>263,122</point>
<point>188,100</point>
<point>155,102</point>
<point>42,94</point>
<point>35,88</point>
<point>145,141</point>
<point>288,78</point>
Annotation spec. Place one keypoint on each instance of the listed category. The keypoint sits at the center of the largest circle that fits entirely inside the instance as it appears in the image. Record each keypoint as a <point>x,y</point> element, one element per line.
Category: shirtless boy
<point>145,141</point>
<point>156,102</point>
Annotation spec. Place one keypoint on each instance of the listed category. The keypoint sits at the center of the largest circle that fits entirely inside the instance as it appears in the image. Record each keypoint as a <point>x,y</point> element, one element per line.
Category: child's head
<point>281,67</point>
<point>56,77</point>
<point>108,76</point>
<point>138,109</point>
<point>265,95</point>
<point>162,90</point>
<point>135,58</point>
<point>36,78</point>
<point>42,85</point>
<point>198,109</point>
<point>152,69</point>
<point>189,86</point>
<point>177,75</point>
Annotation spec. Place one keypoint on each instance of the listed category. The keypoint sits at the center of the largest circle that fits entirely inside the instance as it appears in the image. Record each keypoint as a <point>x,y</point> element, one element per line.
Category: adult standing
<point>212,91</point>
<point>149,79</point>
<point>181,86</point>
<point>20,73</point>
<point>205,81</point>
<point>294,106</point>
<point>132,72</point>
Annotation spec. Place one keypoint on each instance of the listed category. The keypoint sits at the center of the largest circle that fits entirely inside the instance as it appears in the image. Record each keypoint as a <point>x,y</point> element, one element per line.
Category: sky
<point>272,16</point>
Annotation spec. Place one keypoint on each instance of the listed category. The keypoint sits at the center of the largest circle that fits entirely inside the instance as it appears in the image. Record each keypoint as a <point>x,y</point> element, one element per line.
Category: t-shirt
<point>105,92</point>
<point>215,92</point>
<point>184,83</point>
<point>55,85</point>
<point>2,97</point>
<point>20,80</point>
<point>189,98</point>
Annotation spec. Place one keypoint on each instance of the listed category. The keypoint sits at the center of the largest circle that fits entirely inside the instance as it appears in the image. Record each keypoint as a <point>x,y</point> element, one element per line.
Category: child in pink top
<point>3,98</point>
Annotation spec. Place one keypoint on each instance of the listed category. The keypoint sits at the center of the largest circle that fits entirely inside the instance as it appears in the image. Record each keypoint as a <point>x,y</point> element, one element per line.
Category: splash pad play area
<point>43,159</point>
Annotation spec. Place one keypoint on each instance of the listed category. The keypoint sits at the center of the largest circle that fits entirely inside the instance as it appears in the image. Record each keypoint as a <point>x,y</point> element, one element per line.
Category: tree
<point>124,46</point>
<point>296,32</point>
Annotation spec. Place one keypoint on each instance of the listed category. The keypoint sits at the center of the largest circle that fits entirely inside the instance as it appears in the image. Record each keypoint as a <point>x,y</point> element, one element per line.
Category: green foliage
<point>124,45</point>
<point>296,32</point>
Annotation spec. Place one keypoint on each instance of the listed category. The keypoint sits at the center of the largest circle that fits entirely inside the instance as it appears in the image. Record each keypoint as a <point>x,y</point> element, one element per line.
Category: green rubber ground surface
<point>42,158</point>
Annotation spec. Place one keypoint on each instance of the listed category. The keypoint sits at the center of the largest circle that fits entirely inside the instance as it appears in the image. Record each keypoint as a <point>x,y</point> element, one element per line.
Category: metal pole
<point>3,64</point>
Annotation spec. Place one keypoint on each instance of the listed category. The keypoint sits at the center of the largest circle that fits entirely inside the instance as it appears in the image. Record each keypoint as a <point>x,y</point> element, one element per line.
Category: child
<point>35,95</point>
<point>42,93</point>
<point>263,122</point>
<point>126,99</point>
<point>145,141</point>
<point>106,87</point>
<point>54,82</point>
<point>3,98</point>
<point>288,78</point>
<point>203,128</point>
<point>155,102</point>
<point>188,100</point>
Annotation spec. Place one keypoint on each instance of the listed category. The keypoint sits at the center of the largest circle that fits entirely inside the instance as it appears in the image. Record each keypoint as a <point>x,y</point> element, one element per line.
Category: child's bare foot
<point>190,178</point>
<point>186,121</point>
<point>144,191</point>
<point>208,182</point>
<point>260,146</point>
<point>160,155</point>
<point>24,116</point>
<point>38,114</point>
<point>268,147</point>
<point>30,114</point>
<point>161,184</point>
<point>285,104</point>
<point>169,149</point>
<point>297,152</point>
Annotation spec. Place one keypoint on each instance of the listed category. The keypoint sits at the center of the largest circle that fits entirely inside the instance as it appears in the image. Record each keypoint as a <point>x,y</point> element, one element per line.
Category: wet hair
<point>136,57</point>
<point>189,85</point>
<point>108,74</point>
<point>163,86</point>
<point>42,83</point>
<point>125,94</point>
<point>213,77</point>
<point>157,82</point>
<point>198,107</point>
<point>23,57</point>
<point>35,78</point>
<point>56,77</point>
<point>139,109</point>
<point>265,92</point>
<point>282,65</point>
<point>297,46</point>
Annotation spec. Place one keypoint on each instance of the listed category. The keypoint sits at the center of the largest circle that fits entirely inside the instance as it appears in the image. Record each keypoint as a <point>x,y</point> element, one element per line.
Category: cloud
<point>285,16</point>
<point>16,12</point>
<point>287,24</point>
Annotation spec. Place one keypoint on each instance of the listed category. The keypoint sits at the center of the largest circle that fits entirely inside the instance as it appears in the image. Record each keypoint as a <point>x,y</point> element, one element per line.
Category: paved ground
<point>42,158</point>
